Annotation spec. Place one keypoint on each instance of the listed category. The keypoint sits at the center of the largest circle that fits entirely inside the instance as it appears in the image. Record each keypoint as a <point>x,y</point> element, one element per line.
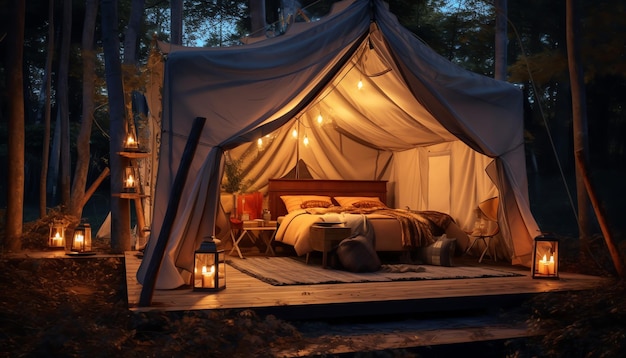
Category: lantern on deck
<point>81,242</point>
<point>546,257</point>
<point>56,239</point>
<point>209,267</point>
<point>131,182</point>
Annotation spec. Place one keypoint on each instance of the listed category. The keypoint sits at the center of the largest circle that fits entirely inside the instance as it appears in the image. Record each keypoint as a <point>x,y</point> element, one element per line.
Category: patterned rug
<point>281,271</point>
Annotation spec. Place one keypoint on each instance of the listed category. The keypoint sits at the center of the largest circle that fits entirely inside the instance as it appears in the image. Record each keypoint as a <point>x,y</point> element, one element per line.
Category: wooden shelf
<point>134,155</point>
<point>130,195</point>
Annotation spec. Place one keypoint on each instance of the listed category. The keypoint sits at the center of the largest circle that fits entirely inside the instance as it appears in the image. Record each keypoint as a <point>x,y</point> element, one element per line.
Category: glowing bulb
<point>320,119</point>
<point>259,142</point>
<point>305,140</point>
<point>294,133</point>
<point>360,84</point>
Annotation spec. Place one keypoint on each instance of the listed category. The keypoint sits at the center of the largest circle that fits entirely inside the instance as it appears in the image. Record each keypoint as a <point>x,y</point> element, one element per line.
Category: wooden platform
<point>354,299</point>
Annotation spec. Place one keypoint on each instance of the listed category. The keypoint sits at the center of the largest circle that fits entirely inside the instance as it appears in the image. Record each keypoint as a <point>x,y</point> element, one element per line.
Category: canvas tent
<point>429,127</point>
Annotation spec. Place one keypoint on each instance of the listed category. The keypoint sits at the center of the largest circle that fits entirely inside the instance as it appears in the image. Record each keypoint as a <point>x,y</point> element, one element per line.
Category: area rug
<point>283,271</point>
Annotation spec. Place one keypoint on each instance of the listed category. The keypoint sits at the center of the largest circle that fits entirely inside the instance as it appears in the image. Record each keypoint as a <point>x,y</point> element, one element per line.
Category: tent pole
<point>147,291</point>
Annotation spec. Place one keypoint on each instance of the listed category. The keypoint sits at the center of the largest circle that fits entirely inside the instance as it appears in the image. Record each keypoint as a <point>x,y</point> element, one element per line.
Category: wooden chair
<point>486,226</point>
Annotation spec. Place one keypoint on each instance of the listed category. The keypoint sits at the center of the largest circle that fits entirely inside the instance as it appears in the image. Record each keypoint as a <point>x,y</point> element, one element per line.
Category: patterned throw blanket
<point>419,228</point>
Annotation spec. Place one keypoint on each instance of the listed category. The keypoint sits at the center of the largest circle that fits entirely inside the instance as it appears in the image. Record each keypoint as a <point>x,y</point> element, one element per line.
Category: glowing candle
<point>207,277</point>
<point>543,265</point>
<point>56,241</point>
<point>551,265</point>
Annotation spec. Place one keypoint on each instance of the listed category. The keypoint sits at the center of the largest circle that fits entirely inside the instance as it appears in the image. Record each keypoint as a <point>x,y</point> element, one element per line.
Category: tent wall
<point>412,100</point>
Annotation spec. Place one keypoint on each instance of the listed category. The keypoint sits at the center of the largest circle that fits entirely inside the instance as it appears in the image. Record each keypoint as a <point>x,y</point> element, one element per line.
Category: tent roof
<point>411,97</point>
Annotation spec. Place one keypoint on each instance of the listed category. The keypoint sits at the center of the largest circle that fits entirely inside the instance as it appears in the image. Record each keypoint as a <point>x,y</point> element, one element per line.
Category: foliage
<point>234,176</point>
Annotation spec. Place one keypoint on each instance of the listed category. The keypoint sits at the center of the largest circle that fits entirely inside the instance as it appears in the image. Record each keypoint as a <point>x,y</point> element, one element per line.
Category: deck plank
<point>246,292</point>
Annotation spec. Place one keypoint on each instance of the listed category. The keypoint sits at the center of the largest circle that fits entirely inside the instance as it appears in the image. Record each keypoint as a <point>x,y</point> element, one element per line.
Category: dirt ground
<point>78,307</point>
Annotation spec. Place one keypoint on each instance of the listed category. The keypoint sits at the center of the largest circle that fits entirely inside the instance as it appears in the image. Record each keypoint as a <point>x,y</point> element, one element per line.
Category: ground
<point>78,307</point>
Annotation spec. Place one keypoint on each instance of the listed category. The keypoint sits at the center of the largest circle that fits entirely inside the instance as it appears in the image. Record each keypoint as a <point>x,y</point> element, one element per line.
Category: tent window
<point>439,181</point>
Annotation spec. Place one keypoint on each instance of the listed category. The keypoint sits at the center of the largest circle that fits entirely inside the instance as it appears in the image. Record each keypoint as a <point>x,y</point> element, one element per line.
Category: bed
<point>388,226</point>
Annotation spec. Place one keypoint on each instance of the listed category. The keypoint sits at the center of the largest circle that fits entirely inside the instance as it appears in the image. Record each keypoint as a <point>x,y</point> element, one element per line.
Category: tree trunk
<point>501,40</point>
<point>257,18</point>
<point>45,155</point>
<point>176,24</point>
<point>63,103</point>
<point>84,136</point>
<point>130,37</point>
<point>579,115</point>
<point>120,208</point>
<point>16,140</point>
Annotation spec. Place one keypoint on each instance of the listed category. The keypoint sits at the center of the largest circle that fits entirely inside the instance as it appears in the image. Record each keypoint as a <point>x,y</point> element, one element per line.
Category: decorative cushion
<point>440,252</point>
<point>357,254</point>
<point>307,204</point>
<point>294,202</point>
<point>366,204</point>
<point>347,201</point>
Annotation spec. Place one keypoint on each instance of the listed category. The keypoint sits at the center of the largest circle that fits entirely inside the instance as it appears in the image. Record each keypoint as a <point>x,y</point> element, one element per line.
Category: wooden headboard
<point>332,188</point>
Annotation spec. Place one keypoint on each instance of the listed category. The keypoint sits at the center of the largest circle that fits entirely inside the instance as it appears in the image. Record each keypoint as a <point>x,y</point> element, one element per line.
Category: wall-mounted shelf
<point>134,155</point>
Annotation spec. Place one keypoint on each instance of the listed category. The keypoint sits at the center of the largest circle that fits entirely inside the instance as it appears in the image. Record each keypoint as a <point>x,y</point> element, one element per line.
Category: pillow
<point>357,254</point>
<point>294,202</point>
<point>347,201</point>
<point>366,204</point>
<point>440,252</point>
<point>307,204</point>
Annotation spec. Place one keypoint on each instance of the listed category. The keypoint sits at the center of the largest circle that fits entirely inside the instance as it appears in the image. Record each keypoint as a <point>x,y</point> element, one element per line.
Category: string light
<point>320,119</point>
<point>294,133</point>
<point>305,140</point>
<point>360,84</point>
<point>259,142</point>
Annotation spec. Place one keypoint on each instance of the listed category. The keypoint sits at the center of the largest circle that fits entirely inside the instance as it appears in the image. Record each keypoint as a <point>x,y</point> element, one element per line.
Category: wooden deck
<point>355,299</point>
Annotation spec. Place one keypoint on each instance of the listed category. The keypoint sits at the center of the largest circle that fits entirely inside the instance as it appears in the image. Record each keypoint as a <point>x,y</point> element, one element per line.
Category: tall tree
<point>579,114</point>
<point>120,208</point>
<point>132,31</point>
<point>176,30</point>
<point>501,40</point>
<point>257,17</point>
<point>47,113</point>
<point>63,102</point>
<point>15,76</point>
<point>84,135</point>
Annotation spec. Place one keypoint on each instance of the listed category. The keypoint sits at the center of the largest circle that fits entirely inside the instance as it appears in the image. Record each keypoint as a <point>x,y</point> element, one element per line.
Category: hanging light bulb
<point>320,119</point>
<point>305,140</point>
<point>360,84</point>
<point>259,142</point>
<point>294,133</point>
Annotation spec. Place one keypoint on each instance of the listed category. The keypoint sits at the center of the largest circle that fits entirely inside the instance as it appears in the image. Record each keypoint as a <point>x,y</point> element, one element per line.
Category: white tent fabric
<point>414,106</point>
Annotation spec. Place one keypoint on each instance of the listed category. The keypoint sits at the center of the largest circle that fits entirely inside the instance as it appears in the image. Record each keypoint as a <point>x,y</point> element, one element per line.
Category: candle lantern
<point>131,144</point>
<point>131,182</point>
<point>81,242</point>
<point>56,240</point>
<point>209,267</point>
<point>546,257</point>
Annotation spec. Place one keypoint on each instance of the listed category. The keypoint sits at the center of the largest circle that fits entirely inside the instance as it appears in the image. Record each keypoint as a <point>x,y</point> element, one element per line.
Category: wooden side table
<point>250,228</point>
<point>324,238</point>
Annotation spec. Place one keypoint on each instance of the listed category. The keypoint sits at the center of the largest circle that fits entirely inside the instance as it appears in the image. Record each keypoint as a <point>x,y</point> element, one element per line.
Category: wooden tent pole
<point>147,291</point>
<point>92,189</point>
<point>604,226</point>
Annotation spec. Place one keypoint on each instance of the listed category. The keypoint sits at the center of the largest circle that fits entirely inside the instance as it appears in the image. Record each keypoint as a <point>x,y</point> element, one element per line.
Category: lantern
<point>81,242</point>
<point>131,182</point>
<point>209,267</point>
<point>131,144</point>
<point>546,257</point>
<point>56,240</point>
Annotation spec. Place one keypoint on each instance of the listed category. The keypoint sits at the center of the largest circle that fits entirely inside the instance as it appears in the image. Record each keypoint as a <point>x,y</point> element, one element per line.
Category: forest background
<point>462,31</point>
